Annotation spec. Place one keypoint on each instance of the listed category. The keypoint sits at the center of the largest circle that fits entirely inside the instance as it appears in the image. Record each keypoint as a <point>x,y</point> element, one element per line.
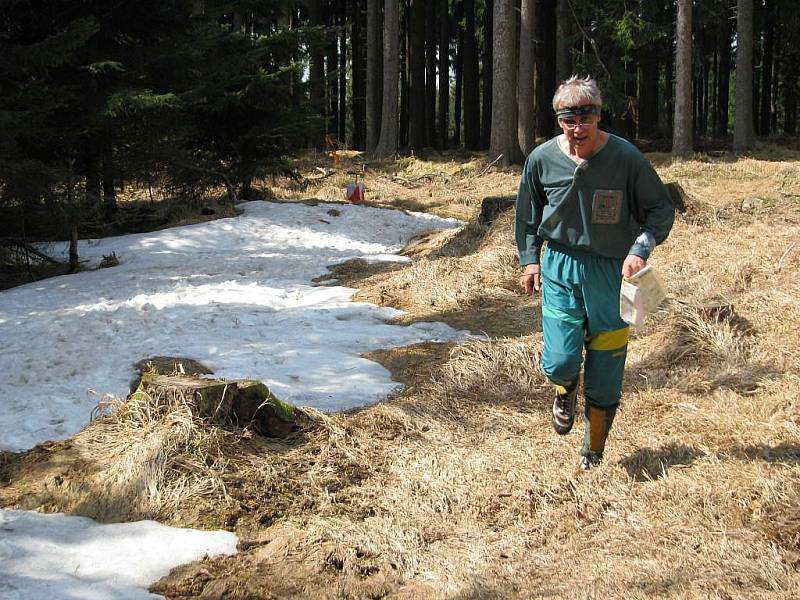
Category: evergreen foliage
<point>187,95</point>
<point>96,94</point>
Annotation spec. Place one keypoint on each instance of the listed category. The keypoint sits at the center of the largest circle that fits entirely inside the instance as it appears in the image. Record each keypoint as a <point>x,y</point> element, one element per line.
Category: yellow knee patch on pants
<point>610,340</point>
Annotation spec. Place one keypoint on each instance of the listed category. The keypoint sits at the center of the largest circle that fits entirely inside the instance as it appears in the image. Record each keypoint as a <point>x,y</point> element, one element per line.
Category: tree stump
<point>256,404</point>
<point>207,398</point>
<point>238,402</point>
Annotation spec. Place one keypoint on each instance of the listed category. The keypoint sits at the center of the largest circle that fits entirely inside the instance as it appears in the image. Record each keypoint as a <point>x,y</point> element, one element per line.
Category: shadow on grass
<point>781,453</point>
<point>505,320</point>
<point>649,464</point>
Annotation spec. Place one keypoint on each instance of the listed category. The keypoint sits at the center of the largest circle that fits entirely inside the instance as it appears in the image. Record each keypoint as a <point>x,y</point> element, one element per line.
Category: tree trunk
<point>504,146</point>
<point>444,74</point>
<point>93,173</point>
<point>359,67</point>
<point>72,213</point>
<point>743,133</point>
<point>724,34</point>
<point>74,263</point>
<point>472,124</point>
<point>682,132</point>
<point>332,75</point>
<point>766,68</point>
<point>669,94</point>
<point>283,20</point>
<point>109,187</point>
<point>713,93</point>
<point>430,72</point>
<point>527,74</point>
<point>703,104</point>
<point>387,143</point>
<point>789,67</point>
<point>563,33</point>
<point>545,73</point>
<point>374,73</point>
<point>648,95</point>
<point>665,17</point>
<point>695,106</point>
<point>486,75</point>
<point>317,69</point>
<point>648,77</point>
<point>630,94</point>
<point>342,14</point>
<point>295,85</point>
<point>790,109</point>
<point>416,96</point>
<point>756,66</point>
<point>405,73</point>
<point>459,14</point>
<point>777,59</point>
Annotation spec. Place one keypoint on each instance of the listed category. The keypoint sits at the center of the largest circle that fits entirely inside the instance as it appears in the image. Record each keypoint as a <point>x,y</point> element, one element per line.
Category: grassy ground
<point>457,487</point>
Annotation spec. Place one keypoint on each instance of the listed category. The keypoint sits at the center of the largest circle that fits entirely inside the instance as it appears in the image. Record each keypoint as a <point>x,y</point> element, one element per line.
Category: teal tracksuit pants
<point>580,310</point>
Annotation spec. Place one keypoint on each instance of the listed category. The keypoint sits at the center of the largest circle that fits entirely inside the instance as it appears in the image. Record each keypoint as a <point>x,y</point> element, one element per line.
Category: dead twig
<point>785,254</point>
<point>25,249</point>
<point>406,182</point>
<point>325,174</point>
<point>490,165</point>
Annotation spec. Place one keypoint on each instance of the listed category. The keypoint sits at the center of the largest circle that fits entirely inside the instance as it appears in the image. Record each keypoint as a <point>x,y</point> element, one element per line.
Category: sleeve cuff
<point>529,258</point>
<point>643,246</point>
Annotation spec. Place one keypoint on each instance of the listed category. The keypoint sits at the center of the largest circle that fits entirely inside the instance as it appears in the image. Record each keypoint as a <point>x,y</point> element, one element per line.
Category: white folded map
<point>640,294</point>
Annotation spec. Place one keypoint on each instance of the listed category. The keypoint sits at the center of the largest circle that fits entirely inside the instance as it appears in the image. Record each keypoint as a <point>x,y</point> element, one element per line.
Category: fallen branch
<point>325,174</point>
<point>785,254</point>
<point>27,248</point>
<point>405,182</point>
<point>491,164</point>
<point>426,176</point>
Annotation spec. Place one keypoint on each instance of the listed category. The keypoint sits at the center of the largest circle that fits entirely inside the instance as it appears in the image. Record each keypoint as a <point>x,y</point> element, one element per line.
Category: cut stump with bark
<point>241,403</point>
<point>255,403</point>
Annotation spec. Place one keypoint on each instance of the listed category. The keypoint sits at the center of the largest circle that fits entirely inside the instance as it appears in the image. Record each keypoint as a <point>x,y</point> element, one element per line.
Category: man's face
<point>581,131</point>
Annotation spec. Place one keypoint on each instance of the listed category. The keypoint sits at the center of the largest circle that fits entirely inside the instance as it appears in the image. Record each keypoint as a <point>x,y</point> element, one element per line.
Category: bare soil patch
<point>456,487</point>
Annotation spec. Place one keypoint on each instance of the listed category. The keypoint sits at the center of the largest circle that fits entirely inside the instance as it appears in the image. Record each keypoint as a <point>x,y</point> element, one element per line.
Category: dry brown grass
<point>140,459</point>
<point>457,487</point>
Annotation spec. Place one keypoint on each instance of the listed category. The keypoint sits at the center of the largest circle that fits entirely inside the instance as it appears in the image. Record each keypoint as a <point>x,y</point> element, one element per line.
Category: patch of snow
<point>56,557</point>
<point>235,294</point>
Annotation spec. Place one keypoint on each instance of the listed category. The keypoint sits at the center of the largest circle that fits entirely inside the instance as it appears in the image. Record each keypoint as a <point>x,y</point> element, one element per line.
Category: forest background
<point>97,98</point>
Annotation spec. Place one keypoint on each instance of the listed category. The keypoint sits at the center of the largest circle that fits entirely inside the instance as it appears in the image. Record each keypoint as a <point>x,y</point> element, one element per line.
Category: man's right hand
<point>531,280</point>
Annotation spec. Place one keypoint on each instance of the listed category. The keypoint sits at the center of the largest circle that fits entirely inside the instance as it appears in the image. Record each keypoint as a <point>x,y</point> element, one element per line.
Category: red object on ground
<point>355,192</point>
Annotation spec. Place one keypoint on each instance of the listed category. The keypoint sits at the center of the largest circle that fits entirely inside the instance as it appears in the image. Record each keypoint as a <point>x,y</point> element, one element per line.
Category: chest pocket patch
<point>606,207</point>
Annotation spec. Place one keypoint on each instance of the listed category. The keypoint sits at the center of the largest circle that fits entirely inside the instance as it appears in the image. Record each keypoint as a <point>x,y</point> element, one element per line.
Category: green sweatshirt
<point>614,204</point>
